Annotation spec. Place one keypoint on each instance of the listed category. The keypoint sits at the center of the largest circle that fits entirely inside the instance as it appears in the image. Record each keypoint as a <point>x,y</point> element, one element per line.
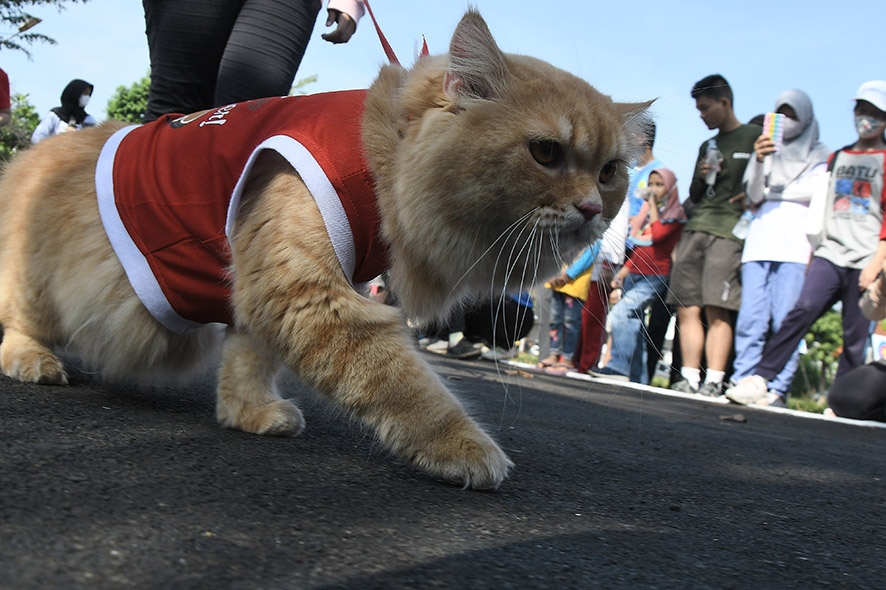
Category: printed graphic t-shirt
<point>854,222</point>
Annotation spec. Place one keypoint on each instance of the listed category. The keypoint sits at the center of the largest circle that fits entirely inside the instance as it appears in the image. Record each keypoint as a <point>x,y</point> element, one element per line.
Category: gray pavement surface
<point>116,486</point>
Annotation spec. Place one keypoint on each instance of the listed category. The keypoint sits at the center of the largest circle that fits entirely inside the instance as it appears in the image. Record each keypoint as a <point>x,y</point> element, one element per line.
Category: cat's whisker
<point>508,264</point>
<point>555,249</point>
<point>511,258</point>
<point>502,236</point>
<point>497,309</point>
<point>531,259</point>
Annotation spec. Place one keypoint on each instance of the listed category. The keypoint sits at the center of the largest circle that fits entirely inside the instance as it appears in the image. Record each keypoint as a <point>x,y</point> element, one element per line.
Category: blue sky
<point>633,50</point>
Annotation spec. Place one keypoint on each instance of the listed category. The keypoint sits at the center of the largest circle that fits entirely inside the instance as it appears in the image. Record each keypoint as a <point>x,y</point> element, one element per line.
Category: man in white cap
<point>849,257</point>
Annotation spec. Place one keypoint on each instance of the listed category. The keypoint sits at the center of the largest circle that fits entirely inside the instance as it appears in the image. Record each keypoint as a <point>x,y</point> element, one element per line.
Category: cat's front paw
<point>28,361</point>
<point>278,418</point>
<point>467,456</point>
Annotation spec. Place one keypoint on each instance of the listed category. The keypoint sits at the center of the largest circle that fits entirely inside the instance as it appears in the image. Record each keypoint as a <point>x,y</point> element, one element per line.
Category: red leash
<point>392,57</point>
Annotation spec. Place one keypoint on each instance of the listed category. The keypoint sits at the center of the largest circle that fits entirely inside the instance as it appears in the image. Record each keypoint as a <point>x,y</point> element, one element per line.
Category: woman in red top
<point>644,277</point>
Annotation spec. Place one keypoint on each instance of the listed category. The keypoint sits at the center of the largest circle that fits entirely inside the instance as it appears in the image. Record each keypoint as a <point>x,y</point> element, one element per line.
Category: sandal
<point>559,369</point>
<point>548,362</point>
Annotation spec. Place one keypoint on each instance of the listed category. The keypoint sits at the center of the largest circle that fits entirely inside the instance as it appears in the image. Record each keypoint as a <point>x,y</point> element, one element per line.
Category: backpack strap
<point>834,157</point>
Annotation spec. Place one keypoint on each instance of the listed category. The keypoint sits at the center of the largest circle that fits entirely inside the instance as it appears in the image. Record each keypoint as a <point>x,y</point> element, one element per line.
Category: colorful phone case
<point>773,128</point>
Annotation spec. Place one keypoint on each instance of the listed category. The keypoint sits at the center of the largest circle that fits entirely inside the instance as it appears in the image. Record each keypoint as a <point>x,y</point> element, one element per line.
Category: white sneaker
<point>748,390</point>
<point>438,347</point>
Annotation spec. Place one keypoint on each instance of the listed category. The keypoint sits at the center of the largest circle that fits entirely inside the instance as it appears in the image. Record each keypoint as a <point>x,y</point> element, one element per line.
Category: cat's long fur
<point>466,210</point>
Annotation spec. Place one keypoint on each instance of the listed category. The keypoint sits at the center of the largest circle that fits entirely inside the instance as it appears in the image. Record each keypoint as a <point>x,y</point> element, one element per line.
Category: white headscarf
<point>801,152</point>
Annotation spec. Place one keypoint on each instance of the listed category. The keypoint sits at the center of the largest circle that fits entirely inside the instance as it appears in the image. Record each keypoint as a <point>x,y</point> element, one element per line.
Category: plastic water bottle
<point>712,158</point>
<point>741,228</point>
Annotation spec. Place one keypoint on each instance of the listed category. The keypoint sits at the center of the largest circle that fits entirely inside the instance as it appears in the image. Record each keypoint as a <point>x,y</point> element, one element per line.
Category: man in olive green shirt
<point>707,265</point>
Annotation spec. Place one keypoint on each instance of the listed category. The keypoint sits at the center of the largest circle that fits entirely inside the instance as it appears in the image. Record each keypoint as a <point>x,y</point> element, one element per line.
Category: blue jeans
<point>565,324</point>
<point>769,291</point>
<point>628,326</point>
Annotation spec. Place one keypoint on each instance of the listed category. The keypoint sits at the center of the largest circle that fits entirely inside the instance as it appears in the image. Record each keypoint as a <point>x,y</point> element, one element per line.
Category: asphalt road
<point>114,486</point>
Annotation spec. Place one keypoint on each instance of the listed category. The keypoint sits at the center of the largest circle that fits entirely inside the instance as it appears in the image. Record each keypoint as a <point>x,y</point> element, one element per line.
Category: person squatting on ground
<point>643,279</point>
<point>209,53</point>
<point>779,186</point>
<point>851,252</point>
<point>705,277</point>
<point>489,329</point>
<point>860,394</point>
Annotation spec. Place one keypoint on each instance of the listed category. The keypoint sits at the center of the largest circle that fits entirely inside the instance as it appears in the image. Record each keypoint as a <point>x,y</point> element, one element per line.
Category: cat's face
<point>546,160</point>
<point>511,166</point>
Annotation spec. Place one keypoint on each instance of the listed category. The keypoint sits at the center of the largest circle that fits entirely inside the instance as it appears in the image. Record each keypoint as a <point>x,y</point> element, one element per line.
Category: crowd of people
<point>775,230</point>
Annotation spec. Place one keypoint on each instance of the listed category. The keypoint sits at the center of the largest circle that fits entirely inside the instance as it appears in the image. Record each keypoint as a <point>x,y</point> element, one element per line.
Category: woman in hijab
<point>776,251</point>
<point>70,116</point>
<point>655,232</point>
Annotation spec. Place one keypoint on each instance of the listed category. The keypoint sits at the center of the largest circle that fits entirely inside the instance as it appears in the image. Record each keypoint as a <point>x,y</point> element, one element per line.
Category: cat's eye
<point>547,153</point>
<point>608,171</point>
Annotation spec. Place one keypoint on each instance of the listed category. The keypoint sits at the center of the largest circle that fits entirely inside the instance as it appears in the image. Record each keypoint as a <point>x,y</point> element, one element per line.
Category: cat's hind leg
<point>247,397</point>
<point>26,359</point>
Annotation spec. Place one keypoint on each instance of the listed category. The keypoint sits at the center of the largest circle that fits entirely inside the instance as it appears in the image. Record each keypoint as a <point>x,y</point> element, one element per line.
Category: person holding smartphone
<point>849,257</point>
<point>779,182</point>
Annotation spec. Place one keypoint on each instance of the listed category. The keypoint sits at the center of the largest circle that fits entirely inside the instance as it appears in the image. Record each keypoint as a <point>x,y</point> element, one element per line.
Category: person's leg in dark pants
<point>265,49</point>
<point>186,40</point>
<point>821,289</point>
<point>659,319</point>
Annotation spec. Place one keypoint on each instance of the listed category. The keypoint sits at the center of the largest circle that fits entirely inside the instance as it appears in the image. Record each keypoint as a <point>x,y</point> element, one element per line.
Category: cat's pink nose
<point>589,209</point>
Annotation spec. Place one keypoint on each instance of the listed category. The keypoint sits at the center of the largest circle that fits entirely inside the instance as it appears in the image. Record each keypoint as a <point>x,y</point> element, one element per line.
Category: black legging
<point>860,393</point>
<point>209,53</point>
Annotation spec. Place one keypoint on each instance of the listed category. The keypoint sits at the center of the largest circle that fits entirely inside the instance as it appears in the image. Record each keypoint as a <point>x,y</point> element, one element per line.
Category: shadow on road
<point>108,486</point>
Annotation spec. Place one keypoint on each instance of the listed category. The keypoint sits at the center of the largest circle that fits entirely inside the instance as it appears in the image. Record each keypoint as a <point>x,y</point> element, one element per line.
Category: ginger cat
<point>489,170</point>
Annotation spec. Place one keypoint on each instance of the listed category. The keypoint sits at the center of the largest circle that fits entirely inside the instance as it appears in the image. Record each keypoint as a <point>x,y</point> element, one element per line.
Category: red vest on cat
<point>169,193</point>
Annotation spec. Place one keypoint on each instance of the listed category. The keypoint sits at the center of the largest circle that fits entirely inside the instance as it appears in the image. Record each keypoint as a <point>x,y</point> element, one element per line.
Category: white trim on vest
<point>333,212</point>
<point>138,271</point>
<point>136,266</point>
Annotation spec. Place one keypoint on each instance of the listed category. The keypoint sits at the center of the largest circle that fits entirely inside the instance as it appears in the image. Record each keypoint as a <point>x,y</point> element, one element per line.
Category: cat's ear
<point>636,122</point>
<point>477,66</point>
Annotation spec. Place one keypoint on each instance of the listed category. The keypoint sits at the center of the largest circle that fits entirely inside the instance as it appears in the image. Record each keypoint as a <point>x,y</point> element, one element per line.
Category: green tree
<point>818,366</point>
<point>13,14</point>
<point>17,135</point>
<point>130,104</point>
